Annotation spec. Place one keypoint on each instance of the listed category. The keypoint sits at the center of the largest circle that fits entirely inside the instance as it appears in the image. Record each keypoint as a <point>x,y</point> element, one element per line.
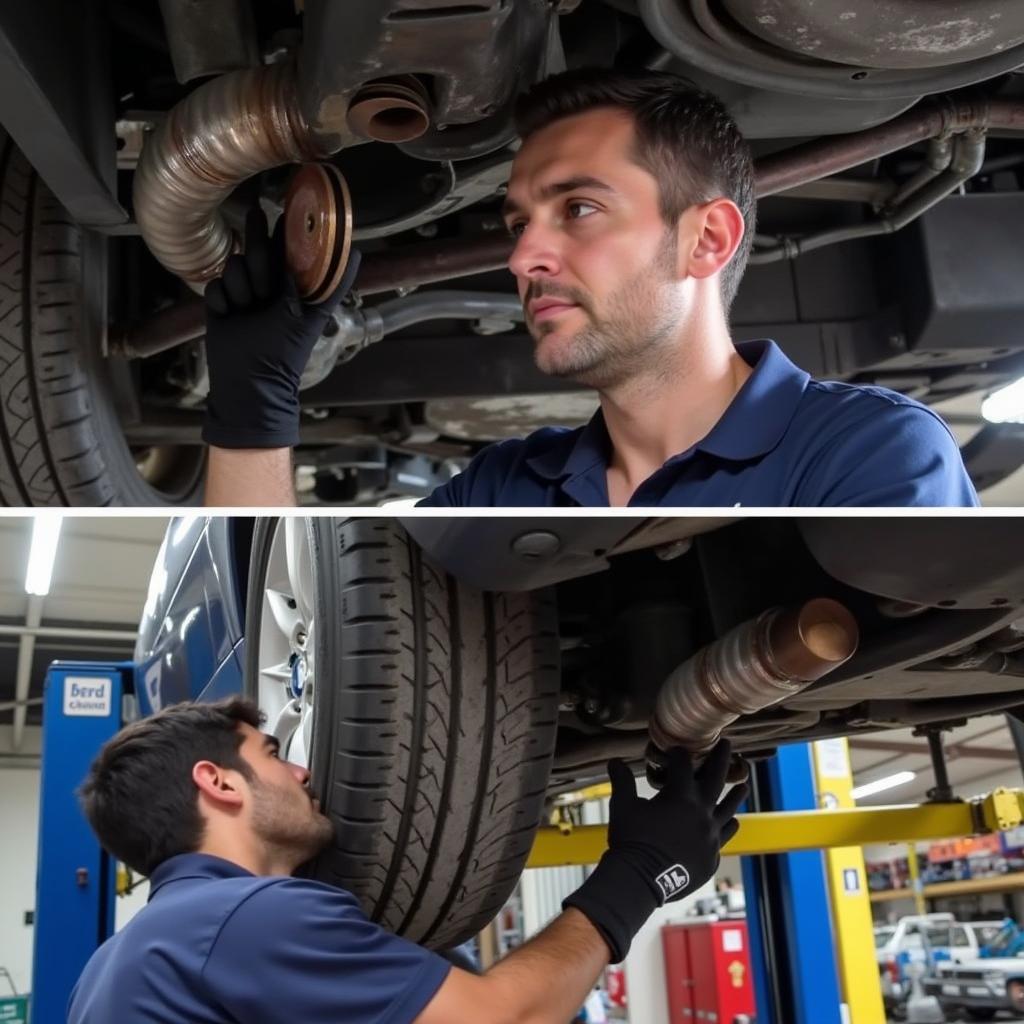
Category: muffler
<point>759,663</point>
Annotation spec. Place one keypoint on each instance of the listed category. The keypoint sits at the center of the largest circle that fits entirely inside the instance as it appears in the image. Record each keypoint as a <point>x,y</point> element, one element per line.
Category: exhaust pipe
<point>228,130</point>
<point>224,132</point>
<point>759,663</point>
<point>390,111</point>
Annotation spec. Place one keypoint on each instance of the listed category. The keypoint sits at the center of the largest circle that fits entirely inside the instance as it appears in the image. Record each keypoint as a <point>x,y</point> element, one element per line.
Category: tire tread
<point>442,736</point>
<point>54,449</point>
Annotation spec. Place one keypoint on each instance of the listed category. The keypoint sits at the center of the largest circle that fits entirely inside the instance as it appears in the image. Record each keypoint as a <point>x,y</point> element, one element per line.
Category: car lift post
<point>852,925</point>
<point>788,916</point>
<point>83,706</point>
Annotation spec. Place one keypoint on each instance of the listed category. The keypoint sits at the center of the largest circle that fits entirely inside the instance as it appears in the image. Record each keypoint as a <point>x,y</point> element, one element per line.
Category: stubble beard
<point>297,832</point>
<point>629,341</point>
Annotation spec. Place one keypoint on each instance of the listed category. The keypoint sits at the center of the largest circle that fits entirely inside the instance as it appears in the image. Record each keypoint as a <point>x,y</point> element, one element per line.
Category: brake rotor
<point>317,230</point>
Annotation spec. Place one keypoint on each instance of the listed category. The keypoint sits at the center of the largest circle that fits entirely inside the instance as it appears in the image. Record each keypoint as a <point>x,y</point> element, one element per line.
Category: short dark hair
<point>139,796</point>
<point>685,138</point>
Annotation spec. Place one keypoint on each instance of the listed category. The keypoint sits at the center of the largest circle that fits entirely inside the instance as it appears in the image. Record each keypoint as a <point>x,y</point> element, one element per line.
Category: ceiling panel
<point>100,579</point>
<point>976,752</point>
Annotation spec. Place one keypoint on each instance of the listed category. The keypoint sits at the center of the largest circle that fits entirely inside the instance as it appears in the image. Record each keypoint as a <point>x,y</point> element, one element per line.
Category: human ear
<point>217,784</point>
<point>714,231</point>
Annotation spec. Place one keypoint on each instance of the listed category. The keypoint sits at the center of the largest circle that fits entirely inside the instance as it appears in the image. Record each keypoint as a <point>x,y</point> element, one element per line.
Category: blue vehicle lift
<point>83,706</point>
<point>788,914</point>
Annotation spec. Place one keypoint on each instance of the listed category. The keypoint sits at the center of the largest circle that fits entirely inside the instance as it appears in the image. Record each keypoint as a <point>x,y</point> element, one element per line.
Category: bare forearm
<point>548,979</point>
<point>250,477</point>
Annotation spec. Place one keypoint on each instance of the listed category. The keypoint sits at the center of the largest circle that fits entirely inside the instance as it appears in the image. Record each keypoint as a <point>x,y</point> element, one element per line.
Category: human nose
<point>535,254</point>
<point>300,773</point>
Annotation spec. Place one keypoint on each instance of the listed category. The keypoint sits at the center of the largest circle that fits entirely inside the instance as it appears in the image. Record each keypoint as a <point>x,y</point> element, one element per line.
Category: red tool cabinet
<point>707,972</point>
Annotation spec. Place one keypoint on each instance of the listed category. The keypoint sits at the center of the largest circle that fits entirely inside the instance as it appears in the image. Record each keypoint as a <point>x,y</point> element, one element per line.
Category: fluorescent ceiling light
<point>1005,405</point>
<point>45,533</point>
<point>880,785</point>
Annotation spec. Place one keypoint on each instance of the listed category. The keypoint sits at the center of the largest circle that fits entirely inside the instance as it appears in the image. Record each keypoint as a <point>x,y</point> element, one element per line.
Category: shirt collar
<point>194,865</point>
<point>574,452</point>
<point>761,412</point>
<point>751,426</point>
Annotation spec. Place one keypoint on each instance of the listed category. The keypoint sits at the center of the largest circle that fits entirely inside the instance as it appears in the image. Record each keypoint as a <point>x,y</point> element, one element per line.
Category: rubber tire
<point>431,751</point>
<point>60,439</point>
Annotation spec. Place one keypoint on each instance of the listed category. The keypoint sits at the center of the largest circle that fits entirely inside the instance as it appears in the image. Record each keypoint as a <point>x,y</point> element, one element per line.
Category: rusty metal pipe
<point>430,262</point>
<point>171,327</point>
<point>966,157</point>
<point>937,160</point>
<point>823,157</point>
<point>221,134</point>
<point>759,663</point>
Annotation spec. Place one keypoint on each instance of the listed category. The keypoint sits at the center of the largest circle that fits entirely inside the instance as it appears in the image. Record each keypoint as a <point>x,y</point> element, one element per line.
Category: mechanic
<point>632,204</point>
<point>197,798</point>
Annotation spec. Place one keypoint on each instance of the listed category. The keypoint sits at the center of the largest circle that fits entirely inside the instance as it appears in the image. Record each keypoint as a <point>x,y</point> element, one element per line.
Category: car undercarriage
<point>889,166</point>
<point>935,601</point>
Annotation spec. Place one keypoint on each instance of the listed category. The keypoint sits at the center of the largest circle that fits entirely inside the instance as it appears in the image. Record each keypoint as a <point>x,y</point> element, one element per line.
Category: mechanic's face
<point>595,263</point>
<point>284,813</point>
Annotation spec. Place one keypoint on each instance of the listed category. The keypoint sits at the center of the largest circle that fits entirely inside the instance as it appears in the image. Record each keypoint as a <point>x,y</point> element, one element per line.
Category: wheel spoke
<point>281,673</point>
<point>299,557</point>
<point>284,609</point>
<point>285,728</point>
<point>286,640</point>
<point>298,752</point>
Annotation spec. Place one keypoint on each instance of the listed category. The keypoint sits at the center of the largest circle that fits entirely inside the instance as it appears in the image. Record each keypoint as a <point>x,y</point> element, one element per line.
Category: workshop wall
<point>19,823</point>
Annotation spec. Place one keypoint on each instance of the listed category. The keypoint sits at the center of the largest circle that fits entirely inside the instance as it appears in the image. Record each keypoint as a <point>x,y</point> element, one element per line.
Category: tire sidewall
<point>63,442</point>
<point>128,486</point>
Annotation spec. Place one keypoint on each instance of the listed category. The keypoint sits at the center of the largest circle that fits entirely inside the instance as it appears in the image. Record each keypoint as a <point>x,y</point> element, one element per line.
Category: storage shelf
<point>998,883</point>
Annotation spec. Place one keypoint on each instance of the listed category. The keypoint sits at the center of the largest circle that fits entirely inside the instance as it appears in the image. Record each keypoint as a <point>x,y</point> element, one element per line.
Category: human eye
<point>516,228</point>
<point>580,204</point>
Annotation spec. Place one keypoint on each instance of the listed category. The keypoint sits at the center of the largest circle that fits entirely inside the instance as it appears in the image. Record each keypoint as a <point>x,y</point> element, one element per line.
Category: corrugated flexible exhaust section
<point>223,133</point>
<point>757,664</point>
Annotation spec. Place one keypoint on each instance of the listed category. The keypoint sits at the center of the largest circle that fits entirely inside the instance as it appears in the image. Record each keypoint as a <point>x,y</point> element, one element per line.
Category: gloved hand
<point>659,849</point>
<point>259,336</point>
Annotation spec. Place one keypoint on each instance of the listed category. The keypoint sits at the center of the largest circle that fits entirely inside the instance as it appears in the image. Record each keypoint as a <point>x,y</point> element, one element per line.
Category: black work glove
<point>659,849</point>
<point>259,335</point>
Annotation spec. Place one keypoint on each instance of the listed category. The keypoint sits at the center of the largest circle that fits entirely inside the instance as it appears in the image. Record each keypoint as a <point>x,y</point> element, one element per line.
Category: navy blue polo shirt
<point>784,440</point>
<point>218,945</point>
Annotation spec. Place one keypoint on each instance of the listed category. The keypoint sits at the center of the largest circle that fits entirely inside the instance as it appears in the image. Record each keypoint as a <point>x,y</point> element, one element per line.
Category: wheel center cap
<point>297,681</point>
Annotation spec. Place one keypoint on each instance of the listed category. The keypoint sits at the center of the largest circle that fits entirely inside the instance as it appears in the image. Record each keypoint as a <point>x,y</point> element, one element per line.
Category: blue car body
<point>191,636</point>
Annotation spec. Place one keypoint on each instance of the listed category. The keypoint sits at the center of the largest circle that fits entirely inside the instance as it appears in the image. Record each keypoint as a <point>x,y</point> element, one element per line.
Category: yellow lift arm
<point>786,831</point>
